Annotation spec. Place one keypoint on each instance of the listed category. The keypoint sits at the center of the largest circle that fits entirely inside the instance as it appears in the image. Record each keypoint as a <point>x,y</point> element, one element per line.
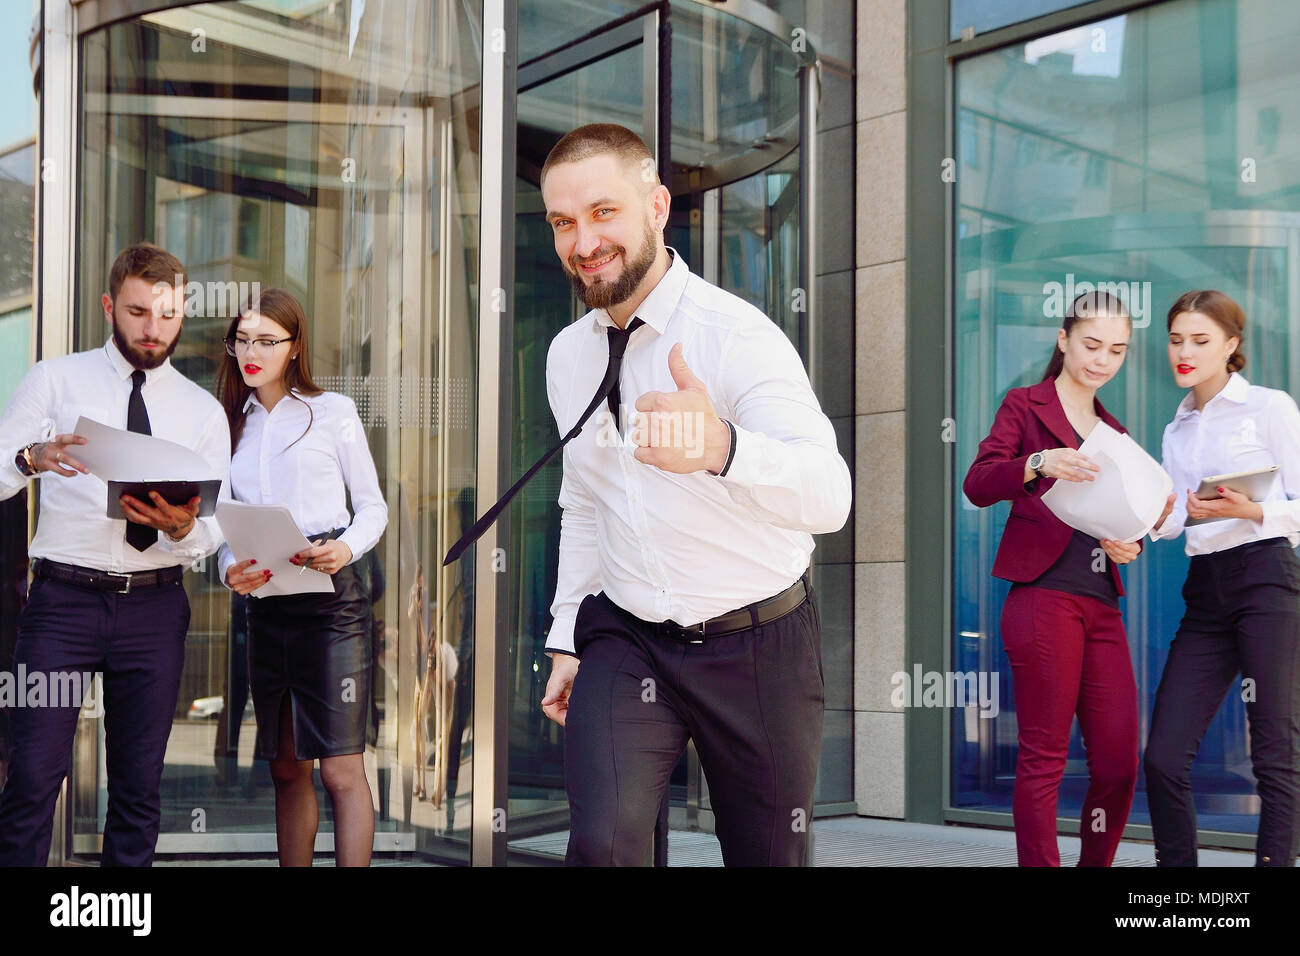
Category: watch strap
<point>24,462</point>
<point>1038,469</point>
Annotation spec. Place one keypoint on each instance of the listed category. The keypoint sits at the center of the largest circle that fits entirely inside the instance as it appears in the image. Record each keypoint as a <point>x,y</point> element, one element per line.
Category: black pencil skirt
<point>317,649</point>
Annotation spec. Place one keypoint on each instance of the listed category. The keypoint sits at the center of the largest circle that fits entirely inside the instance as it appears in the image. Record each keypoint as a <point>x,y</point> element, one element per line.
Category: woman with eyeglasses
<point>310,655</point>
<point>1243,583</point>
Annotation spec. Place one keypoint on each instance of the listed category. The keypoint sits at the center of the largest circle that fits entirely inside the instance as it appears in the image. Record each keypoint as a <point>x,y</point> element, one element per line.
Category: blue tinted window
<point>1157,150</point>
<point>986,15</point>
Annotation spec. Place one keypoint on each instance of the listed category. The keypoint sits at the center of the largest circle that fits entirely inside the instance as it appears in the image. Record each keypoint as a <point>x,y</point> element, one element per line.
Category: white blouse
<point>311,475</point>
<point>1243,428</point>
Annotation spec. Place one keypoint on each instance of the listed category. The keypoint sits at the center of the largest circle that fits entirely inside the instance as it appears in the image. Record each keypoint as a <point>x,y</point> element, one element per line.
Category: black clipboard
<point>173,492</point>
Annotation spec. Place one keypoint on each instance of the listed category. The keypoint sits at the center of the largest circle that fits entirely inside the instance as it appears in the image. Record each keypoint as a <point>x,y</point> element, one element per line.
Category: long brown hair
<point>285,311</point>
<point>1086,305</point>
<point>1220,309</point>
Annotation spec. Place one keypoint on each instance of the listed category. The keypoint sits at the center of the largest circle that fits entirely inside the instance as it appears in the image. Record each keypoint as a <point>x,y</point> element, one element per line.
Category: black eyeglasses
<point>261,346</point>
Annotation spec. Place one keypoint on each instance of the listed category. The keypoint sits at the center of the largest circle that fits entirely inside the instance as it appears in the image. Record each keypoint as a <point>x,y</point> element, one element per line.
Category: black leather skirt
<point>317,649</point>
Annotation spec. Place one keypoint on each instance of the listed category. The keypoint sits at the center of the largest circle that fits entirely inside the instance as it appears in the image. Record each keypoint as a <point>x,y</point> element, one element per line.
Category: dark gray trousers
<point>752,701</point>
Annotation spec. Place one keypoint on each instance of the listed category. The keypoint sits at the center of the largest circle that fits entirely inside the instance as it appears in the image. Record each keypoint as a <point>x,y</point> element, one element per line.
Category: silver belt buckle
<point>125,590</point>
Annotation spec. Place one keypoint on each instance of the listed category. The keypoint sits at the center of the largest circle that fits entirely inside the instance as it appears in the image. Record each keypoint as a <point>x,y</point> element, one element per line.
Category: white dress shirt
<point>311,475</point>
<point>1243,428</point>
<point>73,526</point>
<point>690,547</point>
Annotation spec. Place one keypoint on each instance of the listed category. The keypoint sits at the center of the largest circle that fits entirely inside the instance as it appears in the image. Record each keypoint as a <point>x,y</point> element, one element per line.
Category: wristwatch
<point>23,460</point>
<point>1036,464</point>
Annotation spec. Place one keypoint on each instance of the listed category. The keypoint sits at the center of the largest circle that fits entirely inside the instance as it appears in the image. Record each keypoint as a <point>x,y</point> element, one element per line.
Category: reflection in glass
<point>336,158</point>
<point>1139,180</point>
<point>17,222</point>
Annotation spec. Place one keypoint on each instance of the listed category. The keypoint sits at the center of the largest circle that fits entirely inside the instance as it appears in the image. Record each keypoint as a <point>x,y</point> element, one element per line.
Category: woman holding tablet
<point>309,654</point>
<point>1061,623</point>
<point>1243,585</point>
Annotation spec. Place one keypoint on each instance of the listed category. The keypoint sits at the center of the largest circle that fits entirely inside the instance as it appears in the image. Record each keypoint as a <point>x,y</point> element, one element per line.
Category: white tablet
<point>1254,485</point>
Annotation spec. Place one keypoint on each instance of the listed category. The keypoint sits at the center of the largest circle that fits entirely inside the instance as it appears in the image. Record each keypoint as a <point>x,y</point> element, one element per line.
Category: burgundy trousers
<point>1070,657</point>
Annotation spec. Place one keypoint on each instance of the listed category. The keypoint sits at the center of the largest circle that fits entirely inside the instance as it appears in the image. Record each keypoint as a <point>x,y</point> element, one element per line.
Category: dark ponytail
<point>1087,305</point>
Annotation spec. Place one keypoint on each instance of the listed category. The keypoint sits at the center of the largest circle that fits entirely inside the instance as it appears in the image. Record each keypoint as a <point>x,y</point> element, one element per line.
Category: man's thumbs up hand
<point>685,379</point>
<point>679,431</point>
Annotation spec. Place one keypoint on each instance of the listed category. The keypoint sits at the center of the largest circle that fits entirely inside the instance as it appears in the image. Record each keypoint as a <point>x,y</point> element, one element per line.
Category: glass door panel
<point>342,166</point>
<point>608,90</point>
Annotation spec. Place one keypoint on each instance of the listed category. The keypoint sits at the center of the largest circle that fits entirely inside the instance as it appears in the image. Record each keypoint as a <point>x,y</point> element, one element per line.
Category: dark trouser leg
<point>1268,645</point>
<point>1202,662</point>
<point>1043,632</point>
<point>60,632</point>
<point>141,681</point>
<point>623,737</point>
<point>1108,719</point>
<point>755,702</point>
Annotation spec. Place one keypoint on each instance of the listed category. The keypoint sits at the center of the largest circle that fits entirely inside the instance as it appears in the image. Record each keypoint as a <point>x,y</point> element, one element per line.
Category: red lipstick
<point>1186,369</point>
<point>252,369</point>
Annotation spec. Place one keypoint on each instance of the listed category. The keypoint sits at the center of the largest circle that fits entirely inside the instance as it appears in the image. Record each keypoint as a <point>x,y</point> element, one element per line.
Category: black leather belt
<point>97,580</point>
<point>752,615</point>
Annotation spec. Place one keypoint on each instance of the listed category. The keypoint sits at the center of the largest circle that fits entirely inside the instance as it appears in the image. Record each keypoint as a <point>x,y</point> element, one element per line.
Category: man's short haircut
<point>145,261</point>
<point>596,138</point>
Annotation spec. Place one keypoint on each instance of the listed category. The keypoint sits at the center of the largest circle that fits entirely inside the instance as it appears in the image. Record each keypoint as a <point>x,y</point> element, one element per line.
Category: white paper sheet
<point>1125,498</point>
<point>268,533</point>
<point>112,454</point>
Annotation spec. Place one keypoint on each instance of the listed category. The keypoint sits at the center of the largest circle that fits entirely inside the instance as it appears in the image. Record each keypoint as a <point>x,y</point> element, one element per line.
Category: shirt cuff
<point>225,561</point>
<point>11,479</point>
<point>356,552</point>
<point>1279,518</point>
<point>560,640</point>
<point>731,450</point>
<point>741,468</point>
<point>189,548</point>
<point>1161,533</point>
<point>1175,524</point>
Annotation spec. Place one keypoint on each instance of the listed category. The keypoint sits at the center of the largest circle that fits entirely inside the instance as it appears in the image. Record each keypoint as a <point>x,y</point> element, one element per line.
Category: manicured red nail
<point>267,572</point>
<point>252,561</point>
<point>1219,490</point>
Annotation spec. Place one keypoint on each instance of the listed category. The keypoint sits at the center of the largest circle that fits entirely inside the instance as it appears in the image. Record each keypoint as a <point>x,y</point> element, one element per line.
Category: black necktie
<point>608,388</point>
<point>138,536</point>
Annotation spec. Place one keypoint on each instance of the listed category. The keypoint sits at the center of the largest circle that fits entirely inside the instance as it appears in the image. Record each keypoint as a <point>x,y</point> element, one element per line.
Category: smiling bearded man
<point>683,582</point>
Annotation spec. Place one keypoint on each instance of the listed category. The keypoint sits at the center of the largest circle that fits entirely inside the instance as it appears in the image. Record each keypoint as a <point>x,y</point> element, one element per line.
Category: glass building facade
<point>18,177</point>
<point>1156,150</point>
<point>381,161</point>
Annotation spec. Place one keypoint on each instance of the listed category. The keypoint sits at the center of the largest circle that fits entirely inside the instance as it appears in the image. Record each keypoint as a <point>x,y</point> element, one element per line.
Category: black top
<point>1073,571</point>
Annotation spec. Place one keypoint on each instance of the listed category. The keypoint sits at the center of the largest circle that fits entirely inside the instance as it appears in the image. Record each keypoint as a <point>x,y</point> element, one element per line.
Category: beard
<point>602,294</point>
<point>139,358</point>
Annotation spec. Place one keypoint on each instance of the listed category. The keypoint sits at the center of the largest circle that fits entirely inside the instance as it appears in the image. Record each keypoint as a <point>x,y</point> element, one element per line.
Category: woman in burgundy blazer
<point>1061,624</point>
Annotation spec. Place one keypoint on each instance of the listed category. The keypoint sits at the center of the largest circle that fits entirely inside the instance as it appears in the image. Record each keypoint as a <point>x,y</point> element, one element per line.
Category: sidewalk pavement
<point>869,841</point>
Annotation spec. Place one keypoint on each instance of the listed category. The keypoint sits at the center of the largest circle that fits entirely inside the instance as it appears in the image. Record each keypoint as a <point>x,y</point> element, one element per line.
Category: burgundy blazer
<point>1030,419</point>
